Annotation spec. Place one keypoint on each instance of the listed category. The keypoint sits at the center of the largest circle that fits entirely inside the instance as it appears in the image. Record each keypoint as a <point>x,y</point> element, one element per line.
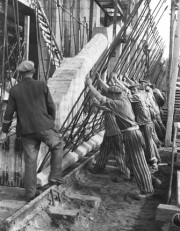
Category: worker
<point>132,137</point>
<point>142,87</point>
<point>112,144</point>
<point>35,109</point>
<point>159,126</point>
<point>143,118</point>
<point>158,95</point>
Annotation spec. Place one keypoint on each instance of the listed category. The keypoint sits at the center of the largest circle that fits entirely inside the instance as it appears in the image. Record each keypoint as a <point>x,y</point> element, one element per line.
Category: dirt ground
<point>117,212</point>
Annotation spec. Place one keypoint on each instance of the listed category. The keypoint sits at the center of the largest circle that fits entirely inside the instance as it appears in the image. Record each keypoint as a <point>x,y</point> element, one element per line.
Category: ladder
<point>49,38</point>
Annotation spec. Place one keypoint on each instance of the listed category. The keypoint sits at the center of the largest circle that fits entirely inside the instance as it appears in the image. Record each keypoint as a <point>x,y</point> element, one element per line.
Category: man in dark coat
<point>35,109</point>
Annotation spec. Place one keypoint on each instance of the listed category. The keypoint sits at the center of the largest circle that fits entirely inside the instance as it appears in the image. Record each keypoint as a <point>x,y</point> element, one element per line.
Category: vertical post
<point>133,46</point>
<point>105,20</point>
<point>4,40</point>
<point>91,18</point>
<point>115,19</point>
<point>79,25</point>
<point>171,41</point>
<point>173,80</point>
<point>2,78</point>
<point>26,36</point>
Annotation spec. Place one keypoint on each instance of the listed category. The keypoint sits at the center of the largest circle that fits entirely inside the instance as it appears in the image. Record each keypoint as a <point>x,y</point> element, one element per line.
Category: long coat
<point>32,102</point>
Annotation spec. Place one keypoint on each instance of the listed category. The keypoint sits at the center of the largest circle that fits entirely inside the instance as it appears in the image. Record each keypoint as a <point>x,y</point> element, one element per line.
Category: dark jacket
<point>33,103</point>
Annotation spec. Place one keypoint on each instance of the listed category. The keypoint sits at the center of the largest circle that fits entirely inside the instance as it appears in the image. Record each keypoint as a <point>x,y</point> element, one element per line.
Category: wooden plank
<point>178,188</point>
<point>165,212</point>
<point>26,2</point>
<point>177,124</point>
<point>72,157</point>
<point>173,80</point>
<point>25,213</point>
<point>26,36</point>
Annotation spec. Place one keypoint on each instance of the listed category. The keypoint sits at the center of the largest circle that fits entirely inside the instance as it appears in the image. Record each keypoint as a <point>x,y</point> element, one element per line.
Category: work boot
<point>120,178</point>
<point>29,199</point>
<point>56,182</point>
<point>94,170</point>
<point>155,181</point>
<point>153,167</point>
<point>140,196</point>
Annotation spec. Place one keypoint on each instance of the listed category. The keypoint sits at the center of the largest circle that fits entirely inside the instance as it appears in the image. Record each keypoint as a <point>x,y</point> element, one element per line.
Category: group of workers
<point>133,128</point>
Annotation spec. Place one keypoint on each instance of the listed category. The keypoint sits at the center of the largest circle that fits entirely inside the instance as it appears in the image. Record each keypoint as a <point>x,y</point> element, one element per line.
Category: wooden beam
<point>26,36</point>
<point>115,18</point>
<point>165,212</point>
<point>173,80</point>
<point>171,41</point>
<point>26,2</point>
<point>91,18</point>
<point>178,188</point>
<point>96,1</point>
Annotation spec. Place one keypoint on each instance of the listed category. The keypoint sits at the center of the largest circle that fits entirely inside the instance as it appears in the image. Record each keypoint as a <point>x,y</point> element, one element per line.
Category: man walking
<point>35,109</point>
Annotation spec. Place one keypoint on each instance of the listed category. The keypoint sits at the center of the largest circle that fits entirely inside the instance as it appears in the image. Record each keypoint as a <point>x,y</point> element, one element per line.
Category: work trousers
<point>114,145</point>
<point>151,150</point>
<point>134,144</point>
<point>31,145</point>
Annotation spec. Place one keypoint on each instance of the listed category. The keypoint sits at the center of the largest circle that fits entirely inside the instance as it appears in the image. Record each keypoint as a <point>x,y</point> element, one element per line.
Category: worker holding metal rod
<point>133,140</point>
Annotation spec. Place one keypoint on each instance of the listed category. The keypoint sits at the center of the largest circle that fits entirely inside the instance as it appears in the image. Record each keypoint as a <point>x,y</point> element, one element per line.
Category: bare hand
<point>126,75</point>
<point>95,101</point>
<point>2,137</point>
<point>88,81</point>
<point>113,75</point>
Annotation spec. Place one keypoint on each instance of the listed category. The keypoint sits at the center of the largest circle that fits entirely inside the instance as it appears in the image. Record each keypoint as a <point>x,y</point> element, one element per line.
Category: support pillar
<point>173,80</point>
<point>26,36</point>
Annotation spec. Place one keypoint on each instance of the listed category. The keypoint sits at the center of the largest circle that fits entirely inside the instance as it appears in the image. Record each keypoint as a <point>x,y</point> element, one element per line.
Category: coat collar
<point>27,78</point>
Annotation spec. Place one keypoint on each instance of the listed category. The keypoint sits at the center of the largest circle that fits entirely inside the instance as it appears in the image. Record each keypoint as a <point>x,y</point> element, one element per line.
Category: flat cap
<point>114,89</point>
<point>144,81</point>
<point>133,86</point>
<point>25,66</point>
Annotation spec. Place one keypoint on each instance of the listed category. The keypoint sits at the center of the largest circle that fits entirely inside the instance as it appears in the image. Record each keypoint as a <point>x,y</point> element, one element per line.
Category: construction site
<point>70,41</point>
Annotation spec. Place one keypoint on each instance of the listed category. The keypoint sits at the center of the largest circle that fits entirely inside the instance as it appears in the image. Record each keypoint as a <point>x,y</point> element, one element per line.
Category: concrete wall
<point>68,80</point>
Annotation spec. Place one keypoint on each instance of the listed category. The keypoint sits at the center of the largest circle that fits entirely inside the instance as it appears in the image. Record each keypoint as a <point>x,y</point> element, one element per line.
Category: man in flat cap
<point>35,109</point>
<point>112,141</point>
<point>120,105</point>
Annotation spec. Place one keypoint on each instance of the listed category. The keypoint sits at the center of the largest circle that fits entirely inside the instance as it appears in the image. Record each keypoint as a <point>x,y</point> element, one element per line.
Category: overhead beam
<point>109,4</point>
<point>91,18</point>
<point>115,19</point>
<point>102,8</point>
<point>25,2</point>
